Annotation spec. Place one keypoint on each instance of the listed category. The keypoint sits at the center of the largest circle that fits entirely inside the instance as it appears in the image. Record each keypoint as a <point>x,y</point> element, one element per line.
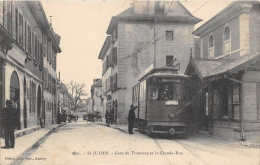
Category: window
<point>169,60</point>
<point>114,55</point>
<point>29,40</point>
<point>169,35</point>
<point>9,16</point>
<point>1,13</point>
<point>211,47</point>
<point>226,41</point>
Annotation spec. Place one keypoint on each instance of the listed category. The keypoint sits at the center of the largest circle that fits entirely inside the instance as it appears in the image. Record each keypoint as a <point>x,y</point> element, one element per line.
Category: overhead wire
<point>152,43</point>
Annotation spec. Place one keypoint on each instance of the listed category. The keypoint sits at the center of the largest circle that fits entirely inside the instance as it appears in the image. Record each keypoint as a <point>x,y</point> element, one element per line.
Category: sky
<point>82,26</point>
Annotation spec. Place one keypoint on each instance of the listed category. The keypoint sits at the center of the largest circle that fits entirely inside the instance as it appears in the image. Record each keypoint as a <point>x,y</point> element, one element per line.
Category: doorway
<point>15,94</point>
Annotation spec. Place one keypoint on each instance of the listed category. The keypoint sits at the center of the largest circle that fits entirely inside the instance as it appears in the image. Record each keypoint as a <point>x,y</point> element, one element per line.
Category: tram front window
<point>167,91</point>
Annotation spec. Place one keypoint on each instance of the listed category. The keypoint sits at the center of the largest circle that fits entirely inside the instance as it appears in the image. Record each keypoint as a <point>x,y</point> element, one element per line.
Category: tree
<point>77,93</point>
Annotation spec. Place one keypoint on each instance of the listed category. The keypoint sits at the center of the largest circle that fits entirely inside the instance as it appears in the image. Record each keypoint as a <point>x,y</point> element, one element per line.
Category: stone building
<point>149,34</point>
<point>23,26</point>
<point>224,84</point>
<point>96,96</point>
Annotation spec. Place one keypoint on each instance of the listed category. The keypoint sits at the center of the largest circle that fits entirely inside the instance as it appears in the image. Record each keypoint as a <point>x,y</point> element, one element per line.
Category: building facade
<point>96,97</point>
<point>64,100</point>
<point>224,82</point>
<point>23,27</point>
<point>146,35</point>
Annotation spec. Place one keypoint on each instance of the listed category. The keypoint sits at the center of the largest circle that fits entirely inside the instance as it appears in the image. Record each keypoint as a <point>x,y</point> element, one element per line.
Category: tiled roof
<point>205,66</point>
<point>213,67</point>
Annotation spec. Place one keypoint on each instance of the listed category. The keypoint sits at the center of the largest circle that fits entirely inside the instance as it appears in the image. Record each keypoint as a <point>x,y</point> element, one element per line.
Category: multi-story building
<point>64,100</point>
<point>225,81</point>
<point>96,96</point>
<point>23,27</point>
<point>148,35</point>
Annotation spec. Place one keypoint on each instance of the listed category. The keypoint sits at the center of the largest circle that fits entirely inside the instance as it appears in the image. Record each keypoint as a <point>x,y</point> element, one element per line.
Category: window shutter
<point>40,52</point>
<point>1,12</point>
<point>111,83</point>
<point>20,29</point>
<point>9,17</point>
<point>49,50</point>
<point>13,21</point>
<point>33,45</point>
<point>44,46</point>
<point>114,55</point>
<point>23,30</point>
<point>5,14</point>
<point>26,37</point>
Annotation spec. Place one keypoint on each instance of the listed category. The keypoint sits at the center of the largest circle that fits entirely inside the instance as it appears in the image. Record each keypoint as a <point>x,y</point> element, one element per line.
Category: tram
<point>160,96</point>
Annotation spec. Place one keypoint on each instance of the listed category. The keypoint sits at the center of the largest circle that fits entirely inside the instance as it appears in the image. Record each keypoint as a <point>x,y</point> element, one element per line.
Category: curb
<point>35,145</point>
<point>114,127</point>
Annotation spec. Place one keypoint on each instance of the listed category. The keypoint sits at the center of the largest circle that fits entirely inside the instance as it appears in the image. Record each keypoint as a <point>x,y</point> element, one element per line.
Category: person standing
<point>131,119</point>
<point>10,122</point>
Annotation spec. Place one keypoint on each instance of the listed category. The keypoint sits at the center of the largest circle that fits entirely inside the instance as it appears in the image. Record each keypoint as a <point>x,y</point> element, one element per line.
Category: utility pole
<point>154,43</point>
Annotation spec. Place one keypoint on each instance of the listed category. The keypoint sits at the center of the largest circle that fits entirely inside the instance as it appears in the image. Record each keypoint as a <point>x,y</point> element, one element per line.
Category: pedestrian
<point>10,122</point>
<point>107,117</point>
<point>131,119</point>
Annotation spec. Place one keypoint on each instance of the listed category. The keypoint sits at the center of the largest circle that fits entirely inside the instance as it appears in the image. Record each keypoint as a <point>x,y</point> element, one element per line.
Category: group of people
<point>9,122</point>
<point>109,116</point>
<point>131,118</point>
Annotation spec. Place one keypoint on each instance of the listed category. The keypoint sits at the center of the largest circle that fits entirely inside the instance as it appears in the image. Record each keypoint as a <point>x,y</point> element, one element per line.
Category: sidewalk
<point>202,135</point>
<point>32,136</point>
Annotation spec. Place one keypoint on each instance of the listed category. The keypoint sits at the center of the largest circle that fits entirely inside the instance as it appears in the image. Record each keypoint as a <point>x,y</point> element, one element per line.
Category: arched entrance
<point>15,93</point>
<point>24,104</point>
<point>39,96</point>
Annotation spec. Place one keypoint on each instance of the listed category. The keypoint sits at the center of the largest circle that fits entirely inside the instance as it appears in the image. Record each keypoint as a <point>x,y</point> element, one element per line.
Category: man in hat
<point>9,121</point>
<point>131,119</point>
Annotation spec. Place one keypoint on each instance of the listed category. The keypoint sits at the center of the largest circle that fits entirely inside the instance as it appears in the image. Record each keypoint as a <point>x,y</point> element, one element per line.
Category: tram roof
<point>165,75</point>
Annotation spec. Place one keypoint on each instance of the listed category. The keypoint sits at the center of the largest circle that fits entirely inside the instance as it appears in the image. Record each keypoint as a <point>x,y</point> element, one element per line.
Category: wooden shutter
<point>9,17</point>
<point>111,83</point>
<point>44,45</point>
<point>13,21</point>
<point>26,36</point>
<point>33,46</point>
<point>29,40</point>
<point>5,14</point>
<point>49,50</point>
<point>23,31</point>
<point>1,13</point>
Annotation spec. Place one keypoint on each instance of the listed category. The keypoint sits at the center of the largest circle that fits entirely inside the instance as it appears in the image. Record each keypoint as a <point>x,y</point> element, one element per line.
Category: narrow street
<point>93,143</point>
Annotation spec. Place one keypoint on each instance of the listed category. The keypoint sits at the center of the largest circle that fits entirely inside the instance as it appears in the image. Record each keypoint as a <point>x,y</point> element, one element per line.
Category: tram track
<point>183,145</point>
<point>195,154</point>
<point>160,148</point>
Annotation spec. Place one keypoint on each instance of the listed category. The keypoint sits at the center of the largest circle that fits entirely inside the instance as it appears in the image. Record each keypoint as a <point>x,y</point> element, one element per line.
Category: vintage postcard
<point>129,82</point>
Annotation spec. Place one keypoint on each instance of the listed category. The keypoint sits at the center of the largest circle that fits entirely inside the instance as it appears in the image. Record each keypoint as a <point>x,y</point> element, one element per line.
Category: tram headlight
<point>171,115</point>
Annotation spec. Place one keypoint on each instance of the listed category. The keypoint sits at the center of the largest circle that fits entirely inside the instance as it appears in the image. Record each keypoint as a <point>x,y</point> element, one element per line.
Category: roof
<point>207,68</point>
<point>159,16</point>
<point>98,84</point>
<point>232,10</point>
<point>104,48</point>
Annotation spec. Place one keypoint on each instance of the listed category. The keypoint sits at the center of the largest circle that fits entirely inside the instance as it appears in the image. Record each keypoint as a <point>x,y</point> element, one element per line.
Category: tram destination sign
<point>171,102</point>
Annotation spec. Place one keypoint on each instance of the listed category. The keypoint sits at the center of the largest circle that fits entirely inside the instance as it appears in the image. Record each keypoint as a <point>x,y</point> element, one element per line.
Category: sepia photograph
<point>130,82</point>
